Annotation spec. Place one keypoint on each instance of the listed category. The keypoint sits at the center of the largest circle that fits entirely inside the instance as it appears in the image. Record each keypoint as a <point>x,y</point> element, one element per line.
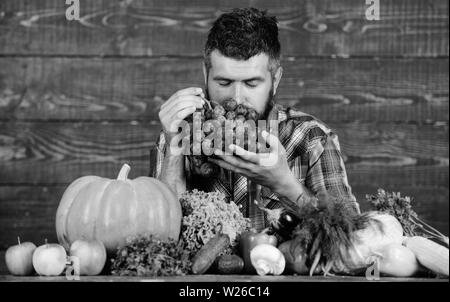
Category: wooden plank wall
<point>79,98</point>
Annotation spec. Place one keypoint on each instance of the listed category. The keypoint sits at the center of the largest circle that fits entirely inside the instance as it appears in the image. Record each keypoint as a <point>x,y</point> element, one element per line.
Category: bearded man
<point>242,62</point>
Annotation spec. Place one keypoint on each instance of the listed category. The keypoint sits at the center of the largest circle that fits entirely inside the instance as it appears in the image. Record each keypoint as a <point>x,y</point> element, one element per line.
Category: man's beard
<point>269,103</point>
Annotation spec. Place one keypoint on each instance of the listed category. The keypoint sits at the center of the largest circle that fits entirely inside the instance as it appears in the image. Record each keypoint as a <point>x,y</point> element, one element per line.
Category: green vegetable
<point>401,208</point>
<point>323,233</point>
<point>149,256</point>
<point>205,215</point>
<point>209,252</point>
<point>230,264</point>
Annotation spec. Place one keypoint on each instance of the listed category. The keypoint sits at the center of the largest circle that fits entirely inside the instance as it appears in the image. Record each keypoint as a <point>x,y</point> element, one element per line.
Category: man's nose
<point>238,94</point>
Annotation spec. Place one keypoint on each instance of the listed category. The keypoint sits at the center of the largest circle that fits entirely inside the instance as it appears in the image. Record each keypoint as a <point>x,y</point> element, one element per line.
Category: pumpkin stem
<point>123,174</point>
<point>18,239</point>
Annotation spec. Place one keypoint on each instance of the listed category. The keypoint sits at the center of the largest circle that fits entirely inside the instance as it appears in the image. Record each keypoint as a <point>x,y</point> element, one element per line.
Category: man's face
<point>248,82</point>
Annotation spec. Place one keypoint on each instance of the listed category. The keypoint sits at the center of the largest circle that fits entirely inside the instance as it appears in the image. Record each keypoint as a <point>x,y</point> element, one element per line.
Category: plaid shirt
<point>313,154</point>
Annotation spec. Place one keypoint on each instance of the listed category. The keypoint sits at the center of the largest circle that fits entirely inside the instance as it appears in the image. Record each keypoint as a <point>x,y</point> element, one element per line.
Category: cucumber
<point>205,257</point>
<point>230,264</point>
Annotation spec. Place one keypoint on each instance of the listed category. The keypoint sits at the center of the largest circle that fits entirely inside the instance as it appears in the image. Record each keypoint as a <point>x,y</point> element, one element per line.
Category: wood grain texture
<point>363,89</point>
<point>176,27</point>
<point>60,152</point>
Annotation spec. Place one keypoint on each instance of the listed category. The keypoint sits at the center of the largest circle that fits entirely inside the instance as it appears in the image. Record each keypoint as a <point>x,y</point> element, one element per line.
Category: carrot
<point>430,254</point>
<point>209,252</point>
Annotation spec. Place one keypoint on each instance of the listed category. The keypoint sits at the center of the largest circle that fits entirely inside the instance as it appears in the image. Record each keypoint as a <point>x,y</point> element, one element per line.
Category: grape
<point>230,115</point>
<point>219,111</point>
<point>209,115</point>
<point>230,105</point>
<point>221,120</point>
<point>208,169</point>
<point>207,146</point>
<point>240,109</point>
<point>208,127</point>
<point>252,115</point>
<point>241,118</point>
<point>217,116</point>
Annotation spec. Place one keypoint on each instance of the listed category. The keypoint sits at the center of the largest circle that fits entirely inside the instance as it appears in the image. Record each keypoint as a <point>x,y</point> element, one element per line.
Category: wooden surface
<point>6,277</point>
<point>413,90</point>
<point>79,98</point>
<point>214,278</point>
<point>176,27</point>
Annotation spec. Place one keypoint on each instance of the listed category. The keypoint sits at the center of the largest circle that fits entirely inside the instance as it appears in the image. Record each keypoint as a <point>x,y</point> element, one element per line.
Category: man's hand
<point>173,111</point>
<point>180,105</point>
<point>267,169</point>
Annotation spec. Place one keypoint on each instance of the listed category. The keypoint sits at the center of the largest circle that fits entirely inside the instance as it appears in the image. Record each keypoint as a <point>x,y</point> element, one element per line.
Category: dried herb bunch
<point>149,256</point>
<point>325,232</point>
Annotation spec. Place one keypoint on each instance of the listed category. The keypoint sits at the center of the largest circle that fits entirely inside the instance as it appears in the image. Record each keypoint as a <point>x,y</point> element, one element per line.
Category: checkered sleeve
<point>326,169</point>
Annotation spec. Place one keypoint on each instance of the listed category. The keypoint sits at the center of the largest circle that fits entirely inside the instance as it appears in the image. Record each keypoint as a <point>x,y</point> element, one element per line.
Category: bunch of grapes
<point>214,115</point>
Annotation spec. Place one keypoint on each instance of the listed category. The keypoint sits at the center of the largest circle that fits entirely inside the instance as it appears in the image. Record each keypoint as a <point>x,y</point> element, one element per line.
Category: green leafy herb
<point>401,208</point>
<point>149,256</point>
<point>325,232</point>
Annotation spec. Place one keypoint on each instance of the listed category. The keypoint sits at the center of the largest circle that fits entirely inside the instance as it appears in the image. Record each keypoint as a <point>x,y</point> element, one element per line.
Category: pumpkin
<point>111,210</point>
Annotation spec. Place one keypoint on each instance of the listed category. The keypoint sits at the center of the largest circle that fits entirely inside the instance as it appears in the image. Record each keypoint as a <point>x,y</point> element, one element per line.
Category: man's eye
<point>251,83</point>
<point>224,83</point>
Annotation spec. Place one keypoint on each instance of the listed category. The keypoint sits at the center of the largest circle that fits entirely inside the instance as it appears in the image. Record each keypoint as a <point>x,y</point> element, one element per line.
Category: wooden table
<point>214,278</point>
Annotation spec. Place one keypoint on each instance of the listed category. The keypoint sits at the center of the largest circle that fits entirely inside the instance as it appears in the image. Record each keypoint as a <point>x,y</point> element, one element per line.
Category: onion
<point>397,260</point>
<point>383,230</point>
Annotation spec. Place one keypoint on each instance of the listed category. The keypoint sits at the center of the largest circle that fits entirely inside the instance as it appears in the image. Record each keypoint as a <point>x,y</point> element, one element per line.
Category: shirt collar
<point>277,113</point>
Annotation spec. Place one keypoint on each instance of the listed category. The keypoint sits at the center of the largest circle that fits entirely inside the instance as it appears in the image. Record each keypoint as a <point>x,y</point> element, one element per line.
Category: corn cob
<point>430,254</point>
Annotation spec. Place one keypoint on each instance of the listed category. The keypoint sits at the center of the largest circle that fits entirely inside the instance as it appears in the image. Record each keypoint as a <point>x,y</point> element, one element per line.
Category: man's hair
<point>242,34</point>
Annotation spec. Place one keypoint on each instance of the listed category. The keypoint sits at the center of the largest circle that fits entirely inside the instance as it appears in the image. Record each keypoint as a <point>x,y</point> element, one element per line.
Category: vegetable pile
<point>332,239</point>
<point>214,117</point>
<point>336,239</point>
<point>205,217</point>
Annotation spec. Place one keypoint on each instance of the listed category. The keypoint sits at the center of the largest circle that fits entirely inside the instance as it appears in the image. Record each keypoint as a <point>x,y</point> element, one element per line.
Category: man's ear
<point>205,74</point>
<point>277,79</point>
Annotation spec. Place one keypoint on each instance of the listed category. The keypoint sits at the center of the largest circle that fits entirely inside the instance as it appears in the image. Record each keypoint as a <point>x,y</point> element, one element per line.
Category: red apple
<point>91,255</point>
<point>50,259</point>
<point>19,257</point>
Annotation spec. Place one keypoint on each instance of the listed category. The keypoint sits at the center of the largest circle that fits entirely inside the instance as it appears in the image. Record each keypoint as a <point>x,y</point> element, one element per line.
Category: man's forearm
<point>172,173</point>
<point>296,194</point>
